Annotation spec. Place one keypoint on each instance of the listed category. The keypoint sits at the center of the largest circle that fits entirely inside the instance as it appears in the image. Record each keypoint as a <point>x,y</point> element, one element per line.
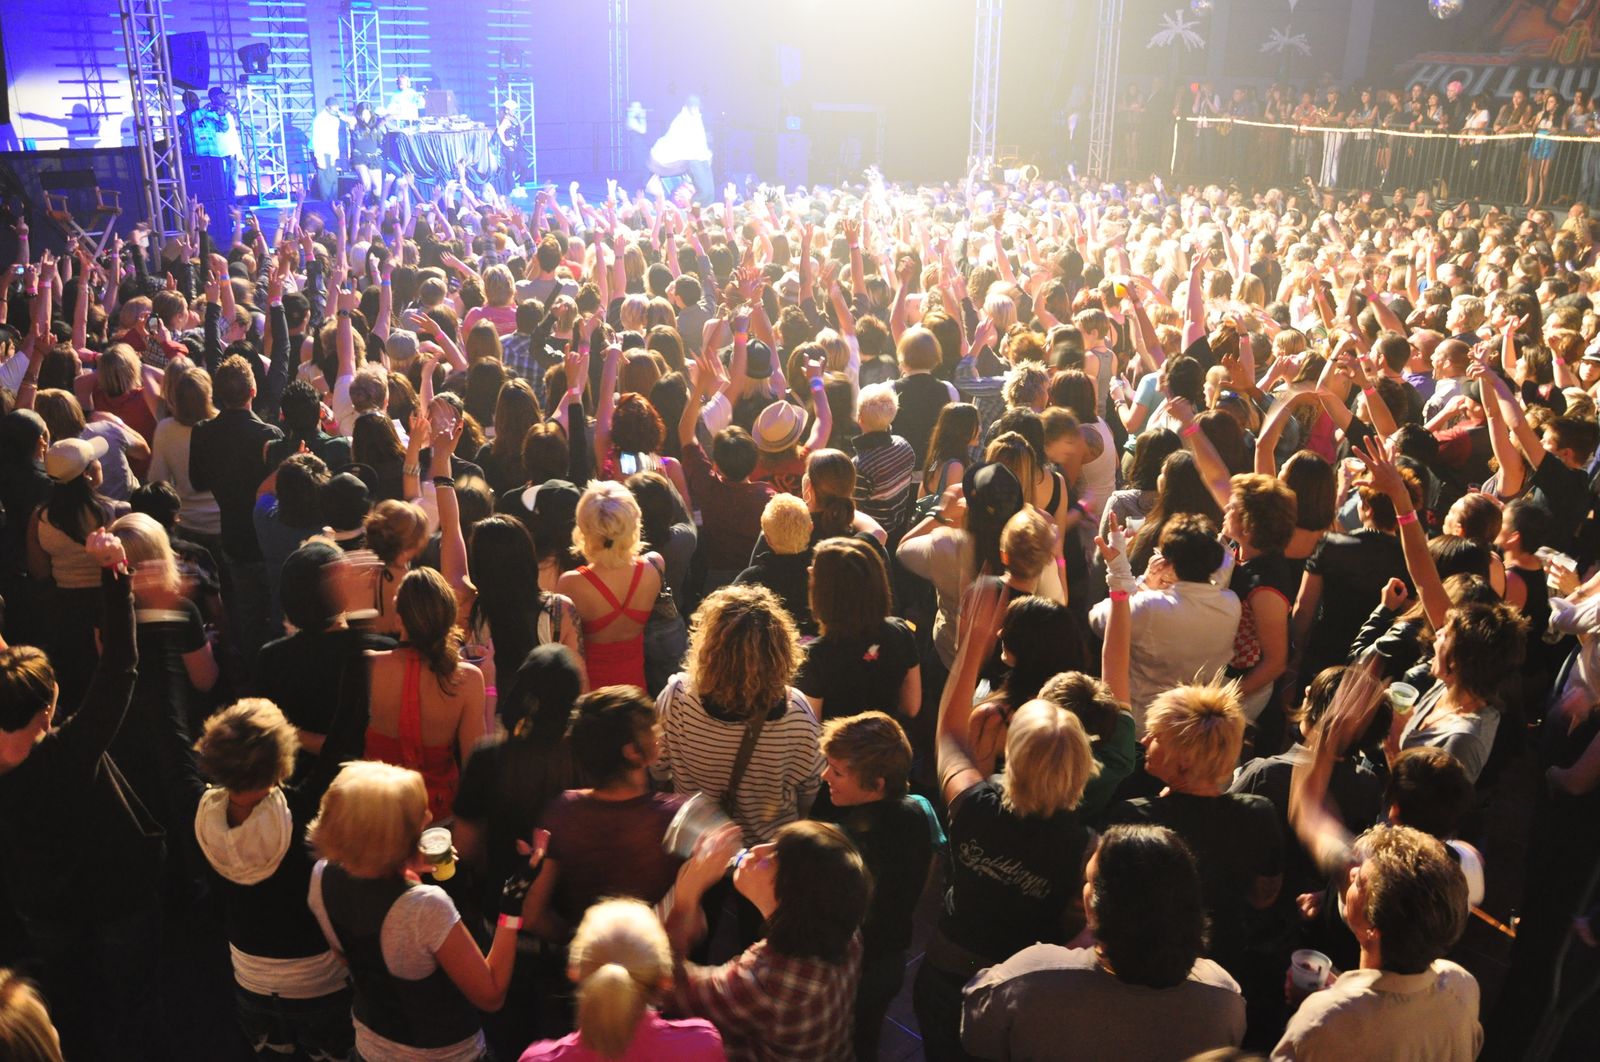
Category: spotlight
<point>253,58</point>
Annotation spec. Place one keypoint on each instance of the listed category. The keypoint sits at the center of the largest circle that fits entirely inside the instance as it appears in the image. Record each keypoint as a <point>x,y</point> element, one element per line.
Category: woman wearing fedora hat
<point>57,554</point>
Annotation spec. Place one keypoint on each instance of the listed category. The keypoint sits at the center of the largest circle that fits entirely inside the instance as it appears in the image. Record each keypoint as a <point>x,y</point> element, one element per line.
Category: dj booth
<point>433,155</point>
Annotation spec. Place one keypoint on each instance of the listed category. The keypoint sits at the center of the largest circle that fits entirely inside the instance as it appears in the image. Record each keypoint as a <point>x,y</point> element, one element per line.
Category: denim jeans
<point>307,1030</point>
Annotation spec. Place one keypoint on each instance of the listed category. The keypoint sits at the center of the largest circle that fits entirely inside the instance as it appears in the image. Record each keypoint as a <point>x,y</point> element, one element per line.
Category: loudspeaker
<point>5,91</point>
<point>203,178</point>
<point>190,57</point>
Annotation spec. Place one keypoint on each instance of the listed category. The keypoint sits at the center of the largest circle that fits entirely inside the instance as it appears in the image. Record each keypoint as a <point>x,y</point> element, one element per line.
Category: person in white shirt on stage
<point>406,104</point>
<point>325,147</point>
<point>684,149</point>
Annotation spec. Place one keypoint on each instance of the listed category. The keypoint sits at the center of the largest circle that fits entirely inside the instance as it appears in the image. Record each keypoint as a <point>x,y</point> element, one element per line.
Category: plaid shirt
<point>518,355</point>
<point>771,1007</point>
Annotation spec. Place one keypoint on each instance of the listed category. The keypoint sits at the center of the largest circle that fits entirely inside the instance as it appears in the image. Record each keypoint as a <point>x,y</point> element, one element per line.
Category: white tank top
<point>1100,474</point>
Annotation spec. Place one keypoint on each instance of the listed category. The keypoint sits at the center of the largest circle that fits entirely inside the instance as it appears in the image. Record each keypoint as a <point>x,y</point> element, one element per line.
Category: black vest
<point>922,396</point>
<point>431,1012</point>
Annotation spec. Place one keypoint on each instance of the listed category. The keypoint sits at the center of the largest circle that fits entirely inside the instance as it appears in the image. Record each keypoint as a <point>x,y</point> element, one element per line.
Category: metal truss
<point>261,125</point>
<point>287,31</point>
<point>521,90</point>
<point>1103,94</point>
<point>155,124</point>
<point>361,55</point>
<point>617,69</point>
<point>985,83</point>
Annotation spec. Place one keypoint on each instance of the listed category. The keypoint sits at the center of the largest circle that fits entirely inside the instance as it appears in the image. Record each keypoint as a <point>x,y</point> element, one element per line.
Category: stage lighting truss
<point>266,154</point>
<point>617,68</point>
<point>155,122</point>
<point>985,83</point>
<point>288,35</point>
<point>361,55</point>
<point>1103,98</point>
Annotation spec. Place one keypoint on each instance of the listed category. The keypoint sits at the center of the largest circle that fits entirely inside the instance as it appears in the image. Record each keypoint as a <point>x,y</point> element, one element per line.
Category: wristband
<point>742,337</point>
<point>1189,429</point>
<point>1119,595</point>
<point>509,922</point>
<point>344,314</point>
<point>384,284</point>
<point>411,470</point>
<point>440,482</point>
<point>1370,392</point>
<point>1406,518</point>
<point>816,383</point>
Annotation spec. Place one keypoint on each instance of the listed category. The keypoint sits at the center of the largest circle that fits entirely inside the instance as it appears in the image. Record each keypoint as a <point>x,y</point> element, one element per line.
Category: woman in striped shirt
<point>744,651</point>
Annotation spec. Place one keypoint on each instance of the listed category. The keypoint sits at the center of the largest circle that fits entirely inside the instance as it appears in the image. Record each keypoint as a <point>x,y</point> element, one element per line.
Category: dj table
<point>433,155</point>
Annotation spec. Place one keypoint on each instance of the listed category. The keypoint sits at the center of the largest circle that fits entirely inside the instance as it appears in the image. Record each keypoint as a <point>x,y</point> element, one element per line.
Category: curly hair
<point>744,649</point>
<point>247,746</point>
<point>635,425</point>
<point>395,528</point>
<point>1267,510</point>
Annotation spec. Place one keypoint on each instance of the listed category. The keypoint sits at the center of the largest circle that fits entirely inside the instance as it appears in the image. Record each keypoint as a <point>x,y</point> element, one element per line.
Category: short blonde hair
<point>787,524</point>
<point>635,313</point>
<point>248,746</point>
<point>499,288</point>
<point>607,529</point>
<point>1002,310</point>
<point>369,389</point>
<point>918,349</point>
<point>371,818</point>
<point>1204,727</point>
<point>836,348</point>
<point>118,370</point>
<point>25,1030</point>
<point>620,956</point>
<point>148,548</point>
<point>877,407</point>
<point>1028,542</point>
<point>1048,761</point>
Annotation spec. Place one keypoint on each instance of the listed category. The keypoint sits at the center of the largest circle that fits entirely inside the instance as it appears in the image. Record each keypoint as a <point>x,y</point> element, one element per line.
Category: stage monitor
<point>439,103</point>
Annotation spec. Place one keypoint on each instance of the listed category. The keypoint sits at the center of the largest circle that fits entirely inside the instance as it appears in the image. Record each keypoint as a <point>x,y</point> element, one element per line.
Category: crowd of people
<point>586,632</point>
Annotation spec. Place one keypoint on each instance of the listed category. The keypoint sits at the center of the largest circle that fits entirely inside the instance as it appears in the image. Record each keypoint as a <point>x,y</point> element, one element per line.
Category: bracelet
<point>1189,429</point>
<point>411,470</point>
<point>741,337</point>
<point>509,922</point>
<point>1119,595</point>
<point>816,383</point>
<point>440,482</point>
<point>343,314</point>
<point>1406,518</point>
<point>384,284</point>
<point>1370,392</point>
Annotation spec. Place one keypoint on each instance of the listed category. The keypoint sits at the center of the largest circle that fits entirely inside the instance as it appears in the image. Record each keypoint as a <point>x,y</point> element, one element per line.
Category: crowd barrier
<point>1547,169</point>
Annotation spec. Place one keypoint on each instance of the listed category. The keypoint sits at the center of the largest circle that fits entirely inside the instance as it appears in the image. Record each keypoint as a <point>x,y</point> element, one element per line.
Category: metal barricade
<point>1509,169</point>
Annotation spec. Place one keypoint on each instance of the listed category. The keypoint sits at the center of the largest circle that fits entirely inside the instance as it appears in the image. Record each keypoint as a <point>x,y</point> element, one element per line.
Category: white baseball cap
<point>68,459</point>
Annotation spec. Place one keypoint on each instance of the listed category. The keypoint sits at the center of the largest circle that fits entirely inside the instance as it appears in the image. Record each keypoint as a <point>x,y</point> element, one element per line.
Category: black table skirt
<point>433,156</point>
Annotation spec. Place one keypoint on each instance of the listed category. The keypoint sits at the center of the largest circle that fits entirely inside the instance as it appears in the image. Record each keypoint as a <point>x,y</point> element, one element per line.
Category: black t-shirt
<point>859,675</point>
<point>1565,492</point>
<point>1356,791</point>
<point>897,838</point>
<point>1354,570</point>
<point>506,786</point>
<point>1269,571</point>
<point>789,576</point>
<point>1012,877</point>
<point>1235,839</point>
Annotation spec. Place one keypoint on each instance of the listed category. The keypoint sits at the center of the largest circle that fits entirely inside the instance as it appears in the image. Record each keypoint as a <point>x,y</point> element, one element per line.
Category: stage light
<point>1445,8</point>
<point>1201,7</point>
<point>253,58</point>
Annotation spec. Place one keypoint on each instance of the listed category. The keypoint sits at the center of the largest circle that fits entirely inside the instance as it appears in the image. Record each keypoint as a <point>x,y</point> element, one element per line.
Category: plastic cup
<point>1403,697</point>
<point>436,848</point>
<point>1309,971</point>
<point>697,816</point>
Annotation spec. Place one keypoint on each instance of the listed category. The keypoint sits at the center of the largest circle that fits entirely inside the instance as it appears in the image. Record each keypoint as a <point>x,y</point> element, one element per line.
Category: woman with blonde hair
<point>189,398</point>
<point>26,1034</point>
<point>420,979</point>
<point>744,652</point>
<point>1023,819</point>
<point>396,531</point>
<point>500,305</point>
<point>621,961</point>
<point>615,591</point>
<point>1192,742</point>
<point>426,704</point>
<point>117,386</point>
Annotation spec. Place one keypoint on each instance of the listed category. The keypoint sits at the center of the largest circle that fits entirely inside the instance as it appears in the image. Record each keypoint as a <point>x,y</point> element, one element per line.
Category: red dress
<point>436,763</point>
<point>615,663</point>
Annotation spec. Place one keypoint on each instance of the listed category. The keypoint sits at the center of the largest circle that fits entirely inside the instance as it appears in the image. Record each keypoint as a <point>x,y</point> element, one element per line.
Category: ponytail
<point>610,1004</point>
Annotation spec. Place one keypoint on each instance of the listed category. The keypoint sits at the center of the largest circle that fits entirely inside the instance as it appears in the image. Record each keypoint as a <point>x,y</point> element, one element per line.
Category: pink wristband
<point>1406,518</point>
<point>509,922</point>
<point>1189,429</point>
<point>1119,595</point>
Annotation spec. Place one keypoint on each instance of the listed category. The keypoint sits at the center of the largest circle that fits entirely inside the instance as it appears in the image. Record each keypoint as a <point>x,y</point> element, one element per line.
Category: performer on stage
<point>325,130</point>
<point>216,135</point>
<point>366,148</point>
<point>406,104</point>
<point>684,149</point>
<point>508,144</point>
<point>638,143</point>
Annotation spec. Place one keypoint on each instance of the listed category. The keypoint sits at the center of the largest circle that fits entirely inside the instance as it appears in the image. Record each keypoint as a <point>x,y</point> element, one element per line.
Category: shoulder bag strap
<point>741,761</point>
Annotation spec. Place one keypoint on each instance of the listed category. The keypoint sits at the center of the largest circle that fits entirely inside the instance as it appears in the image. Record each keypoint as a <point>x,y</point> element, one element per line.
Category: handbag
<point>666,638</point>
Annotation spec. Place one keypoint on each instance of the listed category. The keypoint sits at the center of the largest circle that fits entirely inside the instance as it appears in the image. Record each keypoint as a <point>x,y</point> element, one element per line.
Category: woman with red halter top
<point>425,704</point>
<point>616,590</point>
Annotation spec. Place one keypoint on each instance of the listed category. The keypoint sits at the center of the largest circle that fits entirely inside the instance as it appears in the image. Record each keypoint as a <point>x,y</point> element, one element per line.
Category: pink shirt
<point>504,318</point>
<point>656,1040</point>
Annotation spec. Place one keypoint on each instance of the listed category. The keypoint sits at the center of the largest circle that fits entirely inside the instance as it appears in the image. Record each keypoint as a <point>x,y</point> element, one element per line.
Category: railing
<point>1547,169</point>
